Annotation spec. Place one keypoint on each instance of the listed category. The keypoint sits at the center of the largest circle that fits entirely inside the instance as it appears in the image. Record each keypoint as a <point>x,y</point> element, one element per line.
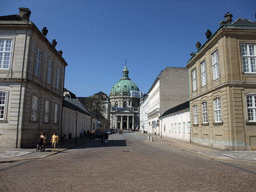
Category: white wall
<point>176,126</point>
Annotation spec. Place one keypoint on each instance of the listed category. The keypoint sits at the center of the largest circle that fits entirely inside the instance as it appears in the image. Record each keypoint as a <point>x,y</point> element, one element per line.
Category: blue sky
<point>97,36</point>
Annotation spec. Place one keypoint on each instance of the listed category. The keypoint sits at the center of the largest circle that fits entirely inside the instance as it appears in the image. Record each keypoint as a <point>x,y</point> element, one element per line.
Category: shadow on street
<point>98,143</point>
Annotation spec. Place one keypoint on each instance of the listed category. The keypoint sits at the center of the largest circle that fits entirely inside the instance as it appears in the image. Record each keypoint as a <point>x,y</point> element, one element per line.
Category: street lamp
<point>76,127</point>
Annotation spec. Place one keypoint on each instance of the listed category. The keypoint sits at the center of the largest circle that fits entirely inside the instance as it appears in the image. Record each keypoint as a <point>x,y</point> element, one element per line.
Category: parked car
<point>108,132</point>
<point>113,130</point>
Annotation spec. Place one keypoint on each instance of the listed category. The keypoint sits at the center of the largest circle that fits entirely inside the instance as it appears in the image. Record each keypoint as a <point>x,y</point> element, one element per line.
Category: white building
<point>169,89</point>
<point>175,122</point>
<point>75,118</point>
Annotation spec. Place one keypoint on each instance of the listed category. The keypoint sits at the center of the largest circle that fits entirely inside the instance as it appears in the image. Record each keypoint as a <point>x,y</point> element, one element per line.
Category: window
<point>175,127</point>
<point>124,104</point>
<point>46,111</point>
<point>204,112</point>
<point>58,78</point>
<point>172,127</point>
<point>56,113</point>
<point>217,110</point>
<point>203,74</point>
<point>194,80</point>
<point>184,127</point>
<point>251,107</point>
<point>249,57</point>
<point>34,111</point>
<point>215,65</point>
<point>195,114</point>
<point>38,62</point>
<point>49,72</point>
<point>2,105</point>
<point>5,53</point>
<point>179,128</point>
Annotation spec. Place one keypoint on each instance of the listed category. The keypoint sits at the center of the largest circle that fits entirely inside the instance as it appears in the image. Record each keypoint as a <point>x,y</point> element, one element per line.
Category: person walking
<point>54,140</point>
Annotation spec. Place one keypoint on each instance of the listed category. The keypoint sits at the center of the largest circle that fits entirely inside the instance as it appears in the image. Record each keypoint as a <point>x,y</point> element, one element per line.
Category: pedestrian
<point>88,134</point>
<point>54,140</point>
<point>81,133</point>
<point>41,141</point>
<point>84,134</point>
<point>106,137</point>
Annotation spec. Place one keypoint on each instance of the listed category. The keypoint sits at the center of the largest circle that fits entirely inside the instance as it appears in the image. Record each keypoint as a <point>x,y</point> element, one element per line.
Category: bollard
<point>151,139</point>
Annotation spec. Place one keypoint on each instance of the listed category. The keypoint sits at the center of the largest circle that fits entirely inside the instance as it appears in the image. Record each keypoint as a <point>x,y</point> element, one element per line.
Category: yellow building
<point>222,76</point>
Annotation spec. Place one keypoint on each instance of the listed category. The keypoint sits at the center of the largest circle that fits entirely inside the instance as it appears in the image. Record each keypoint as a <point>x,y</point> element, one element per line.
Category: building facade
<point>175,122</point>
<point>31,82</point>
<point>125,103</point>
<point>75,118</point>
<point>222,77</point>
<point>169,89</point>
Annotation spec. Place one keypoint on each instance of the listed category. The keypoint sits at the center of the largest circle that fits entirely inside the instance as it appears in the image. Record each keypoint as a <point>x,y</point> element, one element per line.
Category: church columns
<point>133,122</point>
<point>121,124</point>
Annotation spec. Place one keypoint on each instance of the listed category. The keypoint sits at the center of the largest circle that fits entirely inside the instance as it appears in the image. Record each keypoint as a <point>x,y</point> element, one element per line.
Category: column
<point>121,124</point>
<point>127,122</point>
<point>115,120</point>
<point>133,122</point>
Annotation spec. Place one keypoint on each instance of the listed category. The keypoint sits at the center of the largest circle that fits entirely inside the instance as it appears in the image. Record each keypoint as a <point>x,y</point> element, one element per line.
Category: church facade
<point>125,103</point>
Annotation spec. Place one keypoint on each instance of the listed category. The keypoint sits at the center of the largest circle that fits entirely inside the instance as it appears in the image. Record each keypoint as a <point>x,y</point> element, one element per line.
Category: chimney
<point>24,13</point>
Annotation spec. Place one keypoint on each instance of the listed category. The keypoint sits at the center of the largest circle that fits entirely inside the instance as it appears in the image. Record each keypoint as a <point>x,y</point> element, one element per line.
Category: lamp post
<point>76,127</point>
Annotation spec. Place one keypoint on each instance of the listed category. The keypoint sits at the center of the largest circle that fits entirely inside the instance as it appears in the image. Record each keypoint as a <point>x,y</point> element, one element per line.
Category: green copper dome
<point>124,85</point>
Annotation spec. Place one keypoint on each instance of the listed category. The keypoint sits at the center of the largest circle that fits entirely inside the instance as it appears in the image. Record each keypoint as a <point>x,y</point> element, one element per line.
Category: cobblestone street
<point>127,163</point>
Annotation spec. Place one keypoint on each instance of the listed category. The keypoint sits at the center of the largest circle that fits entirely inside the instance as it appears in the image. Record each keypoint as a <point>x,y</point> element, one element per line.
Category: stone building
<point>222,77</point>
<point>125,103</point>
<point>168,90</point>
<point>31,82</point>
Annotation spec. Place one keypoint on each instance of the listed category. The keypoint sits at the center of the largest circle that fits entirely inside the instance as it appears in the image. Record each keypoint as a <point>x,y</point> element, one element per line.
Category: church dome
<point>124,85</point>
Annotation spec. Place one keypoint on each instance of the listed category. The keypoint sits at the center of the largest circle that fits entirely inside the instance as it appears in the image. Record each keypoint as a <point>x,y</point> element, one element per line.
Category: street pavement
<point>17,154</point>
<point>129,162</point>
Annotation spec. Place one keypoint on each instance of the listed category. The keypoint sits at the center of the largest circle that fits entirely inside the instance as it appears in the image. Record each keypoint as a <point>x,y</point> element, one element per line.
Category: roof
<point>239,22</point>
<point>75,104</point>
<point>11,18</point>
<point>16,21</point>
<point>176,108</point>
<point>243,21</point>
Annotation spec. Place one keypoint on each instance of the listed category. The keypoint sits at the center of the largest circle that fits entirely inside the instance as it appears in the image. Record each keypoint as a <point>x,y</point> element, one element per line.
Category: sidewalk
<point>205,151</point>
<point>19,154</point>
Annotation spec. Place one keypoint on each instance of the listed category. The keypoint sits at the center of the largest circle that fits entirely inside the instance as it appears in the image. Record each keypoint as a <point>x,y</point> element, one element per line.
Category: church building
<point>125,101</point>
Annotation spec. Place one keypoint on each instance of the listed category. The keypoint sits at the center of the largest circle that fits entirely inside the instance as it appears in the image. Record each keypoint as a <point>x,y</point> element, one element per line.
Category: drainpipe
<point>22,71</point>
